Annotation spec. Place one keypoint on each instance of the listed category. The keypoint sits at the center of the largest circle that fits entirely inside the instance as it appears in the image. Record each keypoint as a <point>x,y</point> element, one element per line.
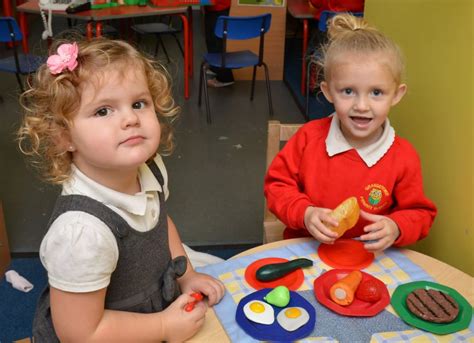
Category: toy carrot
<point>342,292</point>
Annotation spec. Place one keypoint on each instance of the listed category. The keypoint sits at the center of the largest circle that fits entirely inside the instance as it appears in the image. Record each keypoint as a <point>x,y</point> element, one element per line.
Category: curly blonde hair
<point>52,101</point>
<point>347,33</point>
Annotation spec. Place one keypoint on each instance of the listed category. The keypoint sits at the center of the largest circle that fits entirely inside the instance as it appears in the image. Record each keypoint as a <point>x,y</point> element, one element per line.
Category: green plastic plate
<point>461,322</point>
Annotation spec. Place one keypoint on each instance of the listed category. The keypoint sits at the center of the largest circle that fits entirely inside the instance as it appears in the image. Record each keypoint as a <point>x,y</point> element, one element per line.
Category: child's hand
<point>383,231</point>
<point>313,220</point>
<point>179,324</point>
<point>207,285</point>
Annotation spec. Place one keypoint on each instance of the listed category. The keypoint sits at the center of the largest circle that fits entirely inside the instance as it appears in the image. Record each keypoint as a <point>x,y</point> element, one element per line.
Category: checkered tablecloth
<point>391,266</point>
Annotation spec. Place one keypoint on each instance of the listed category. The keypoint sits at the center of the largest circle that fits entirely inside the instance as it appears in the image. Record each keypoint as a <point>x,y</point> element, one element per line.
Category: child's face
<point>116,127</point>
<point>362,89</point>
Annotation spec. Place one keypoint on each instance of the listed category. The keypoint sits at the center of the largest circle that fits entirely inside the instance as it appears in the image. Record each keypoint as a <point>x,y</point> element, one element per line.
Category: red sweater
<point>218,5</point>
<point>303,175</point>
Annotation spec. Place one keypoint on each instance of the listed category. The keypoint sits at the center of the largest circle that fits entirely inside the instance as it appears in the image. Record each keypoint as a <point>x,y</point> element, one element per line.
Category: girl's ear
<point>63,140</point>
<point>400,92</point>
<point>325,89</point>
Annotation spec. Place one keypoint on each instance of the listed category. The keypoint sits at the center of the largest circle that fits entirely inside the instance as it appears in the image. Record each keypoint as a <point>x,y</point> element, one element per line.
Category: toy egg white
<point>259,312</point>
<point>292,318</point>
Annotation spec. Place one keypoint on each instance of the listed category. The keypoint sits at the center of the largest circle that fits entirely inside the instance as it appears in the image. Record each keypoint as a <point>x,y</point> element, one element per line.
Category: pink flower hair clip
<point>66,58</point>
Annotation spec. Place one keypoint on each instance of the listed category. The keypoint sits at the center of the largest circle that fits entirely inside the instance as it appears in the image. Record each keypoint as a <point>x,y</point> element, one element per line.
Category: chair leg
<point>206,94</point>
<point>18,78</point>
<point>164,48</point>
<point>253,82</point>
<point>179,44</point>
<point>269,93</point>
<point>201,76</point>
<point>157,46</point>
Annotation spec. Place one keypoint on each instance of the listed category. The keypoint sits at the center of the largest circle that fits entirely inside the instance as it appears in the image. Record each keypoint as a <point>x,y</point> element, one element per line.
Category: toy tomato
<point>369,291</point>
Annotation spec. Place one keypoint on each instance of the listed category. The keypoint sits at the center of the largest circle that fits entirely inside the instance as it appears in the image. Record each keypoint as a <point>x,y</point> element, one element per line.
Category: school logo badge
<point>376,197</point>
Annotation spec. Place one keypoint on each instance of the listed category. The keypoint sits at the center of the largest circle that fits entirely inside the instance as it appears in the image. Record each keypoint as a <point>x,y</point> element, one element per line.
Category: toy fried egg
<point>259,312</point>
<point>292,318</point>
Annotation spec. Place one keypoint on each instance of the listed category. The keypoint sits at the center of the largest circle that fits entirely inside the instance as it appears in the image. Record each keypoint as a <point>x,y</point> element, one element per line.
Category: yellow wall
<point>436,37</point>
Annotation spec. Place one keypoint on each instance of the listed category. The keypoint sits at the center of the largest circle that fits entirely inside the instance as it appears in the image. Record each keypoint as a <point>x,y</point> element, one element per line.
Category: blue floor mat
<point>17,308</point>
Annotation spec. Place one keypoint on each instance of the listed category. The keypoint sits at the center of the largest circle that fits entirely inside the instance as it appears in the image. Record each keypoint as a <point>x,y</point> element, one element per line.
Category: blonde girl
<point>355,151</point>
<point>95,117</point>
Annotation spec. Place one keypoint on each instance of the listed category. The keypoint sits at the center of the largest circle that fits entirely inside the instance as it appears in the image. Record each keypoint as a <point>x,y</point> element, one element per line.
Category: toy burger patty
<point>432,305</point>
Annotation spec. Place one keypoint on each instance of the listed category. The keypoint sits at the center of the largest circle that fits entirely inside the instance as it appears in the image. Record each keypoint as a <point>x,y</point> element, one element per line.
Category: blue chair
<point>237,28</point>
<point>312,60</point>
<point>18,64</point>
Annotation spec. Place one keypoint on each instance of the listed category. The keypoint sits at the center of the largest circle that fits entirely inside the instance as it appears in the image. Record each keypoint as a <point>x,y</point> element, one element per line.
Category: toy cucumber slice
<point>275,271</point>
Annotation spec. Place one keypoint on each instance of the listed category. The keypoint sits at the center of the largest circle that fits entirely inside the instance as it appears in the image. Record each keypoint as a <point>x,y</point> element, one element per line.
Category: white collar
<point>79,183</point>
<point>336,143</point>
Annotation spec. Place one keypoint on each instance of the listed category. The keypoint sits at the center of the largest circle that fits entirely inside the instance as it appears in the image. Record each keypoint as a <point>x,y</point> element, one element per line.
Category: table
<point>442,273</point>
<point>302,10</point>
<point>96,16</point>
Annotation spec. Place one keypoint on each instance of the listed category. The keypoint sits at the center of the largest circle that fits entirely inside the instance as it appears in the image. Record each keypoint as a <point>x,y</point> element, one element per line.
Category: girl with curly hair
<point>97,120</point>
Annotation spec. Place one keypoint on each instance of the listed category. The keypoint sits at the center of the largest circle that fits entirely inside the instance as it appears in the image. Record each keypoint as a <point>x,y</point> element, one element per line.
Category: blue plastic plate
<point>275,332</point>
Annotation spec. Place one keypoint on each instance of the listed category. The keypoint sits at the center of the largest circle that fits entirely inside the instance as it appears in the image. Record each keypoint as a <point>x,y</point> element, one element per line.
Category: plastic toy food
<point>347,214</point>
<point>279,296</point>
<point>190,306</point>
<point>369,291</point>
<point>275,271</point>
<point>259,312</point>
<point>432,305</point>
<point>292,318</point>
<point>342,292</point>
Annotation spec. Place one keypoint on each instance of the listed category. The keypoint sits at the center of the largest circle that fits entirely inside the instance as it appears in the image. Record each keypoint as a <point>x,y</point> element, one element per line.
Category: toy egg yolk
<point>340,293</point>
<point>293,313</point>
<point>257,307</point>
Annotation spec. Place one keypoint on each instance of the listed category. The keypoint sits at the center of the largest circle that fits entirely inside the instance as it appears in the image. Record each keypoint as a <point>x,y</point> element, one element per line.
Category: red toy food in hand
<point>369,291</point>
<point>190,306</point>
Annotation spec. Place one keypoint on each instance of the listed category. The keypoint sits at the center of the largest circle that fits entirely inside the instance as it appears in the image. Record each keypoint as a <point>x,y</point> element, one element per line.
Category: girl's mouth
<point>361,120</point>
<point>133,140</point>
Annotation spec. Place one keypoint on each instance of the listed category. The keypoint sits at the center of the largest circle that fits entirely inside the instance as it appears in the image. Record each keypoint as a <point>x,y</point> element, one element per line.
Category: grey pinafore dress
<point>145,277</point>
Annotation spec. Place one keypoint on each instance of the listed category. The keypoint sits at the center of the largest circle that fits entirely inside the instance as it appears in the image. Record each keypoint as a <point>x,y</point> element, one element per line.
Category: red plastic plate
<point>345,253</point>
<point>292,280</point>
<point>358,308</point>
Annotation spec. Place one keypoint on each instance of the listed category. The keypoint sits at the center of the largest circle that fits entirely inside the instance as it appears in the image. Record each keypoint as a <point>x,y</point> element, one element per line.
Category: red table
<point>303,10</point>
<point>96,16</point>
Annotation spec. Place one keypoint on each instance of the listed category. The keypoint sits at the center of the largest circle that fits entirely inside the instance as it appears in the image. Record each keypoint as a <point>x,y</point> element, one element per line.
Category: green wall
<point>436,37</point>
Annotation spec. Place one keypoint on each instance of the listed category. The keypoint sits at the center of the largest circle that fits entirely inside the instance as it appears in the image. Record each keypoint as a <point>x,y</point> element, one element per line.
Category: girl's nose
<point>361,104</point>
<point>130,118</point>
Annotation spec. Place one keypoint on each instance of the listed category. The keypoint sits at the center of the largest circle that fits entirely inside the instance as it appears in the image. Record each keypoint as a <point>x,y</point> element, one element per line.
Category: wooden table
<point>442,273</point>
<point>96,16</point>
<point>304,11</point>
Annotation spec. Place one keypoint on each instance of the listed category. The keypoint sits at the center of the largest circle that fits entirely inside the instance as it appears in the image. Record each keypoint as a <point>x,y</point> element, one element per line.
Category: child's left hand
<point>193,281</point>
<point>383,232</point>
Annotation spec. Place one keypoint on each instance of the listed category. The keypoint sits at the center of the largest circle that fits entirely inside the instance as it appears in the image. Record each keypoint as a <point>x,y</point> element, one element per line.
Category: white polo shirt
<point>336,143</point>
<point>79,251</point>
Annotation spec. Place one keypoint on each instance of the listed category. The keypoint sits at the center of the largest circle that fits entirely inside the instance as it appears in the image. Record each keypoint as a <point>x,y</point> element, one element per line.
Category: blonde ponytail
<point>350,34</point>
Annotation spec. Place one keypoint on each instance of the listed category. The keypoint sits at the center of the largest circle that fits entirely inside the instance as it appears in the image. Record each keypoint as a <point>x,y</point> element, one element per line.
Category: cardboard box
<point>4,247</point>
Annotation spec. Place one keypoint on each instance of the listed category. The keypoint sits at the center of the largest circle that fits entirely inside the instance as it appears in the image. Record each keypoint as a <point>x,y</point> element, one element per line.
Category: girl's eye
<point>102,112</point>
<point>377,92</point>
<point>347,91</point>
<point>139,105</point>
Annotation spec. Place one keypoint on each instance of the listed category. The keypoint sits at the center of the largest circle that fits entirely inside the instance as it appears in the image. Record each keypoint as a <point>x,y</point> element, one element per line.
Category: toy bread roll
<point>342,292</point>
<point>347,214</point>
